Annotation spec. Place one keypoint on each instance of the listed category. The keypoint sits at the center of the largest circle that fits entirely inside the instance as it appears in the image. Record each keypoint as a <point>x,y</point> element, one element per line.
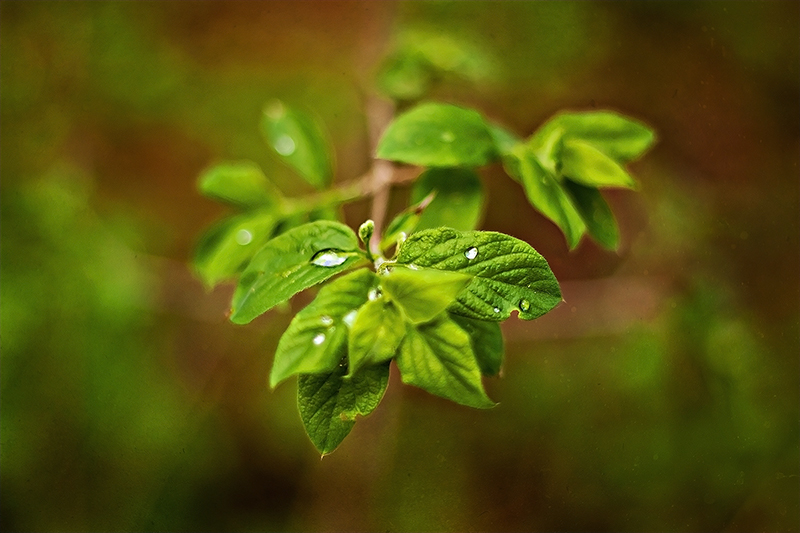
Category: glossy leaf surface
<point>316,340</point>
<point>509,275</point>
<point>486,340</point>
<point>329,403</point>
<point>437,357</point>
<point>375,335</point>
<point>293,261</point>
<point>438,135</point>
<point>423,294</point>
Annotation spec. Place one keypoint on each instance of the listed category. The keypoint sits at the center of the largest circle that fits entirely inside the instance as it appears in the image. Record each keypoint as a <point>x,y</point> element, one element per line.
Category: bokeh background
<point>663,395</point>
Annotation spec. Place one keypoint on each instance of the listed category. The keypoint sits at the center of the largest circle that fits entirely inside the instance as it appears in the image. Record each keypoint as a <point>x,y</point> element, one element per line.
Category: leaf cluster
<point>432,294</point>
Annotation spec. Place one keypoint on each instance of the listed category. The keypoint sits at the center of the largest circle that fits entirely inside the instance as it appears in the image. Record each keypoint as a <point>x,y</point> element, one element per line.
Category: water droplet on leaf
<point>326,320</point>
<point>375,293</point>
<point>471,253</point>
<point>328,258</point>
<point>244,237</point>
<point>524,305</point>
<point>284,145</point>
<point>319,339</point>
<point>496,309</point>
<point>275,110</point>
<point>349,318</point>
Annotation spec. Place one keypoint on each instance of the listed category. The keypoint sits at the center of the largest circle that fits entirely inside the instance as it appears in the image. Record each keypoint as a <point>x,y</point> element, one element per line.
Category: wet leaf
<point>293,261</point>
<point>437,357</point>
<point>424,293</point>
<point>316,340</point>
<point>509,275</point>
<point>486,340</point>
<point>375,335</point>
<point>329,403</point>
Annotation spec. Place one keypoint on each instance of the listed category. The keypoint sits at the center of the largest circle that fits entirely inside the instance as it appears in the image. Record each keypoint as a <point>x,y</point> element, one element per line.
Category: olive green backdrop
<point>662,395</point>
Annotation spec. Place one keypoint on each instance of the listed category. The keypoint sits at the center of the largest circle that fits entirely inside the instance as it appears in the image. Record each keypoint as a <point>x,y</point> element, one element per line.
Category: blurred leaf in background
<point>663,395</point>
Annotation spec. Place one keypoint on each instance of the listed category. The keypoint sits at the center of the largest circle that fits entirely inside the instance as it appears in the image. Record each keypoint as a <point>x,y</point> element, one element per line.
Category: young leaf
<point>423,294</point>
<point>620,138</point>
<point>405,222</point>
<point>504,140</point>
<point>545,193</point>
<point>376,333</point>
<point>240,183</point>
<point>546,145</point>
<point>486,340</point>
<point>405,77</point>
<point>596,213</point>
<point>293,261</point>
<point>224,250</point>
<point>437,357</point>
<point>438,135</point>
<point>509,274</point>
<point>458,203</point>
<point>583,163</point>
<point>329,403</point>
<point>316,339</point>
<point>300,142</point>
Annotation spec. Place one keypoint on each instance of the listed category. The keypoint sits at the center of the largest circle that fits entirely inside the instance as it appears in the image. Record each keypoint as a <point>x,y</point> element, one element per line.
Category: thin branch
<point>379,114</point>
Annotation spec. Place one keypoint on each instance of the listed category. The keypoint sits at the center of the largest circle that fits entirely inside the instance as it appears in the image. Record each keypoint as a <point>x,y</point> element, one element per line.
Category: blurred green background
<point>663,395</point>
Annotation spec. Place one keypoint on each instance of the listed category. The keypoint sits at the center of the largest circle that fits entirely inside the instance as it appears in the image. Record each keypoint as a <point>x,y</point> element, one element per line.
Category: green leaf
<point>486,340</point>
<point>405,222</point>
<point>509,274</point>
<point>424,293</point>
<point>583,163</point>
<point>458,203</point>
<point>316,339</point>
<point>240,183</point>
<point>546,144</point>
<point>376,333</point>
<point>545,193</point>
<point>438,135</point>
<point>299,141</point>
<point>504,140</point>
<point>405,77</point>
<point>225,249</point>
<point>437,357</point>
<point>293,261</point>
<point>329,403</point>
<point>596,213</point>
<point>620,138</point>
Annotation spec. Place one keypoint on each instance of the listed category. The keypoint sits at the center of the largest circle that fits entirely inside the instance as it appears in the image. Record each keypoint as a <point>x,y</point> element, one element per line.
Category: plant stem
<point>379,114</point>
<point>344,193</point>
